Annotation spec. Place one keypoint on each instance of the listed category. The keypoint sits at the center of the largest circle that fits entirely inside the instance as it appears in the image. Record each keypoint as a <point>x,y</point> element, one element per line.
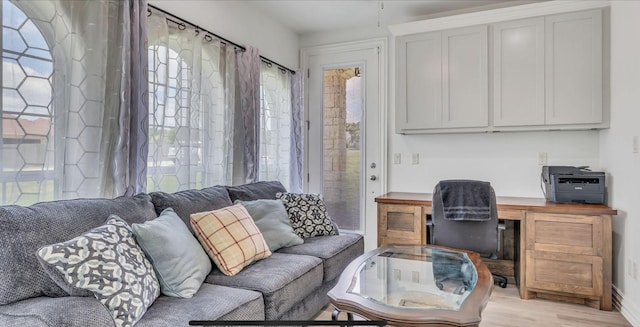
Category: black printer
<point>566,184</point>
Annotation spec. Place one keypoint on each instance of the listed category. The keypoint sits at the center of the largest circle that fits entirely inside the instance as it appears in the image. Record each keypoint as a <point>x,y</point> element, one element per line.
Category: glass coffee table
<point>415,285</point>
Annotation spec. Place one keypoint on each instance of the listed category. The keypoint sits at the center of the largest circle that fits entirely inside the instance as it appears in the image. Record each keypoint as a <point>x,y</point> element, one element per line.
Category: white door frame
<point>381,45</point>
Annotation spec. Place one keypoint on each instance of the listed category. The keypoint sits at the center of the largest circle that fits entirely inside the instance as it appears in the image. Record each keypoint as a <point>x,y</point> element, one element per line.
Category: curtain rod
<point>184,21</point>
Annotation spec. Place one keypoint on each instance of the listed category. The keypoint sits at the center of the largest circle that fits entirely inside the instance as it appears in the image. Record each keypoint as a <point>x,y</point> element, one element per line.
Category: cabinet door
<point>518,72</point>
<point>465,77</point>
<point>563,233</point>
<point>401,224</point>
<point>567,273</point>
<point>574,68</point>
<point>418,82</point>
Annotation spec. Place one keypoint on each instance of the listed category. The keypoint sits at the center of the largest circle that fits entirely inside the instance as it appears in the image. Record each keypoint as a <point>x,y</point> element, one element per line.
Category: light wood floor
<point>505,308</point>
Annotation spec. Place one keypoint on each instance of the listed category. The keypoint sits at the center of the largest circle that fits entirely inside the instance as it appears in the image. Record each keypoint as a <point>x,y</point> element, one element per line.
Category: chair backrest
<point>477,236</point>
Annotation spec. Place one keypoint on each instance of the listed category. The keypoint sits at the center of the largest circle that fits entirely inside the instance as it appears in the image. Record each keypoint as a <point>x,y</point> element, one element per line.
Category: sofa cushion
<point>179,260</point>
<point>255,191</point>
<point>273,222</point>
<point>187,202</point>
<point>230,237</point>
<point>26,229</point>
<point>336,251</point>
<point>211,302</point>
<point>308,215</point>
<point>70,311</point>
<point>283,279</point>
<point>108,262</point>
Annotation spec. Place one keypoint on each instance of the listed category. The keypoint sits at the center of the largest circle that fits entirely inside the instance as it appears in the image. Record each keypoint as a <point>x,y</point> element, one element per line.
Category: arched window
<point>169,112</point>
<point>191,108</point>
<point>27,166</point>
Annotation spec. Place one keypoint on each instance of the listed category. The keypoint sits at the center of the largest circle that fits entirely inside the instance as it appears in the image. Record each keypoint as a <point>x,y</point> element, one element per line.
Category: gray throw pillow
<point>256,191</point>
<point>273,222</point>
<point>308,215</point>
<point>108,262</point>
<point>187,202</point>
<point>181,264</point>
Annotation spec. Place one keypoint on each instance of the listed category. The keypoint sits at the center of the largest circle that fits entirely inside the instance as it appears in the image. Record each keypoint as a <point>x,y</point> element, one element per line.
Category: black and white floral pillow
<point>308,214</point>
<point>108,262</point>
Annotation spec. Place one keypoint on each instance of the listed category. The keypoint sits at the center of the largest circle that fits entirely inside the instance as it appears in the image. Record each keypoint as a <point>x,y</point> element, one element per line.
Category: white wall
<point>617,150</point>
<point>239,23</point>
<point>508,160</point>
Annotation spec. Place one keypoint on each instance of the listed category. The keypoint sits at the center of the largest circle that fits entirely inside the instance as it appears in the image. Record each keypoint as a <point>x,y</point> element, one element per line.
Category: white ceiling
<point>313,16</point>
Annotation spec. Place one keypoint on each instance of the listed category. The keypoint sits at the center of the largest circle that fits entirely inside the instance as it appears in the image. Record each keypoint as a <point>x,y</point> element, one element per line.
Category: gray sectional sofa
<point>291,284</point>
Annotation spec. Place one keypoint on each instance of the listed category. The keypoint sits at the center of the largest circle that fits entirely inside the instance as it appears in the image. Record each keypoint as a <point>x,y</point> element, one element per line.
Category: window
<point>169,106</point>
<point>188,132</point>
<point>28,171</point>
<point>275,124</point>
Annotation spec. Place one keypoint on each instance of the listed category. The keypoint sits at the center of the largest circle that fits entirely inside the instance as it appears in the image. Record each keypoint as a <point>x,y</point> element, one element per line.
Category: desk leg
<point>607,232</point>
<point>521,260</point>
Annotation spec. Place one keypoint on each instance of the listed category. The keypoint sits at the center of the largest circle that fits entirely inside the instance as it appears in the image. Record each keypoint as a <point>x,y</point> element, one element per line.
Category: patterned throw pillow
<point>108,262</point>
<point>230,237</point>
<point>308,214</point>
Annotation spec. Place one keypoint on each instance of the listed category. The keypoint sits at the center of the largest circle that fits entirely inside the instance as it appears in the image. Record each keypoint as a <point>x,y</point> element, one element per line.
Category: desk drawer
<point>572,274</point>
<point>511,214</point>
<point>570,234</point>
<point>401,224</point>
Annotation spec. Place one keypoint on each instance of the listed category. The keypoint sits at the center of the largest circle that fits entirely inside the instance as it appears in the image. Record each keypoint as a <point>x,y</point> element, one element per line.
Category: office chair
<point>471,220</point>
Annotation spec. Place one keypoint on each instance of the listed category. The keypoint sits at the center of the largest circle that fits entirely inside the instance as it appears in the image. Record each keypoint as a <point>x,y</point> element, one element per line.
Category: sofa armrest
<point>61,311</point>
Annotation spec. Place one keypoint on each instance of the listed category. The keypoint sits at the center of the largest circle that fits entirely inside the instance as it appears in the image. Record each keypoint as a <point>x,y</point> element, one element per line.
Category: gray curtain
<point>297,133</point>
<point>249,101</point>
<point>126,114</point>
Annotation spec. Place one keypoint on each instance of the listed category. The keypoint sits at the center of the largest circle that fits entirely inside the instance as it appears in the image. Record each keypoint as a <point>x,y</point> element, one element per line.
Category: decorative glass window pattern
<point>169,146</point>
<point>28,171</point>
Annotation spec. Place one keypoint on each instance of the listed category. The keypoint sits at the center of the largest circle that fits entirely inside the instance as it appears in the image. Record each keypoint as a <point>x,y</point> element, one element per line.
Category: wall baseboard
<point>627,309</point>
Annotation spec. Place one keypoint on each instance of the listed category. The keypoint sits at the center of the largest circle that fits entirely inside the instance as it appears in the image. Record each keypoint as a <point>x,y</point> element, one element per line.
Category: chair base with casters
<point>500,280</point>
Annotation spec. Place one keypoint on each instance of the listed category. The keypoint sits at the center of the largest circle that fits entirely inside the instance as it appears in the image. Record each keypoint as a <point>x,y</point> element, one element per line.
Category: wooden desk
<point>562,251</point>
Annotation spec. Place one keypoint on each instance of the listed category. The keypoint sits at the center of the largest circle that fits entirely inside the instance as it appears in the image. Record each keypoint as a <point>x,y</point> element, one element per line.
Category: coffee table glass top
<point>416,277</point>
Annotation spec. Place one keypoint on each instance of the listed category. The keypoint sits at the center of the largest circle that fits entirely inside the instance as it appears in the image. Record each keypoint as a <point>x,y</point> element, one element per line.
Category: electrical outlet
<point>397,158</point>
<point>635,144</point>
<point>542,158</point>
<point>415,158</point>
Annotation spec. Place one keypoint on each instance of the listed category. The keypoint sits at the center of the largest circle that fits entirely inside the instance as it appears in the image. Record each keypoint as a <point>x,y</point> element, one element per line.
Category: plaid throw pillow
<point>230,237</point>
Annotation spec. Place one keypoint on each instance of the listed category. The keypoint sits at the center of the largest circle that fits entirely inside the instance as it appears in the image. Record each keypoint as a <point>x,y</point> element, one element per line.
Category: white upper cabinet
<point>518,73</point>
<point>442,80</point>
<point>574,68</point>
<point>545,72</point>
<point>419,83</point>
<point>464,77</point>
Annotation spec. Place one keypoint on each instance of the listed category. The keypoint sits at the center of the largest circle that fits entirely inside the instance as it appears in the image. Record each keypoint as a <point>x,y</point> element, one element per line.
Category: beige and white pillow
<point>230,238</point>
